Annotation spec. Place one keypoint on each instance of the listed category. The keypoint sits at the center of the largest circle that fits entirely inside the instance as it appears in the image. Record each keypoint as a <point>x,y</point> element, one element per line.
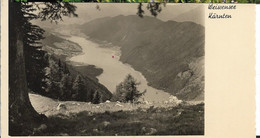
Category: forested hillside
<point>169,54</point>
<point>55,78</point>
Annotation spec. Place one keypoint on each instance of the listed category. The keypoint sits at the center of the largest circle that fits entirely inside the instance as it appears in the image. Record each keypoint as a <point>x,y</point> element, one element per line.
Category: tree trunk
<point>22,116</point>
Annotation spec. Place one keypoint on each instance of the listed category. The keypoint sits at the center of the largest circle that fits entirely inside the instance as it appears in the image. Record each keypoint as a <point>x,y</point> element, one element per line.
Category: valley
<point>169,54</point>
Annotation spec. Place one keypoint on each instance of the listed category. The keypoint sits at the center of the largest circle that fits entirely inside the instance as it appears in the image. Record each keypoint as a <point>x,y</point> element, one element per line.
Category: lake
<point>114,71</point>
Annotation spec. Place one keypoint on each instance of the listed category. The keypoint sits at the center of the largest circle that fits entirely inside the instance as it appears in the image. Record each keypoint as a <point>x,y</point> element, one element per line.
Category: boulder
<point>117,104</point>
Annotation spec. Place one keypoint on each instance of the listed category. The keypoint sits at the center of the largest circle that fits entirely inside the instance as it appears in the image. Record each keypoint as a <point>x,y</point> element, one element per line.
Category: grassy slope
<point>173,121</point>
<point>160,50</point>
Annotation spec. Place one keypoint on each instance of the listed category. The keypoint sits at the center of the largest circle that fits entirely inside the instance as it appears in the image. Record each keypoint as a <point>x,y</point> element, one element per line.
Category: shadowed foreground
<point>179,120</point>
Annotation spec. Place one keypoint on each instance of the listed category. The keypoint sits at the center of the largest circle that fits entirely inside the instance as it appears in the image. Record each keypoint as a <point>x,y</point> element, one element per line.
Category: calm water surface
<point>114,71</point>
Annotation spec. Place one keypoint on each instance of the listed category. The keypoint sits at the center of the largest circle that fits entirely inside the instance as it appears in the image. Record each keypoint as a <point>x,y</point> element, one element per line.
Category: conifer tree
<point>35,57</point>
<point>78,88</point>
<point>65,69</point>
<point>66,87</point>
<point>96,98</point>
<point>127,91</point>
<point>21,113</point>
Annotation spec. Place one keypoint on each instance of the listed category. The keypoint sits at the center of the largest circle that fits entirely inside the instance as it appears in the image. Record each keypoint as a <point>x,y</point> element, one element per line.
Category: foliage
<point>55,80</point>
<point>55,11</point>
<point>140,11</point>
<point>127,91</point>
<point>147,1</point>
<point>35,57</point>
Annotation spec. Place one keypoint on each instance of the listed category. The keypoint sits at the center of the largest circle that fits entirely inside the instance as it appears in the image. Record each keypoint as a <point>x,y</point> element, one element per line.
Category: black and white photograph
<point>106,69</point>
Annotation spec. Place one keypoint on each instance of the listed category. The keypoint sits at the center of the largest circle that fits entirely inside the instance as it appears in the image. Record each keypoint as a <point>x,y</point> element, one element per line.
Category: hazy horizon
<point>88,12</point>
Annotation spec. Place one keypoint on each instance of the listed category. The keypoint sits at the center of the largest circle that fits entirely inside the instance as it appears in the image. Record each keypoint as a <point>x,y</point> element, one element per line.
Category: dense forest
<point>60,81</point>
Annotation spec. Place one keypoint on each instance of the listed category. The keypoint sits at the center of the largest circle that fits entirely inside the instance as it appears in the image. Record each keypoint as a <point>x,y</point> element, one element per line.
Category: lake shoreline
<point>111,45</point>
<point>114,70</point>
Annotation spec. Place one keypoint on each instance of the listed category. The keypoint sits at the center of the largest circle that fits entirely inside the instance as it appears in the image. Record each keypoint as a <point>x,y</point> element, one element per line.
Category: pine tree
<point>96,98</point>
<point>60,70</point>
<point>65,69</point>
<point>35,57</point>
<point>127,91</point>
<point>120,93</point>
<point>66,87</point>
<point>91,95</point>
<point>53,80</point>
<point>78,89</point>
<point>59,81</point>
<point>35,71</point>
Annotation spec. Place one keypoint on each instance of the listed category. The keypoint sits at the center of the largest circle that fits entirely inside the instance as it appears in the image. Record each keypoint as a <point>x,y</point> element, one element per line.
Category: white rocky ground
<point>49,107</point>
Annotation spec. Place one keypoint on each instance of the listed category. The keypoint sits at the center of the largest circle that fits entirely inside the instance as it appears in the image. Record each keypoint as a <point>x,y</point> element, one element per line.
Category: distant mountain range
<point>169,54</point>
<point>195,15</point>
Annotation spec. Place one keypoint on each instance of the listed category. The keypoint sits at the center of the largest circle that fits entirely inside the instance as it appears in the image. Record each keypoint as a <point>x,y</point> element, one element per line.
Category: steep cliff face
<point>169,54</point>
<point>192,81</point>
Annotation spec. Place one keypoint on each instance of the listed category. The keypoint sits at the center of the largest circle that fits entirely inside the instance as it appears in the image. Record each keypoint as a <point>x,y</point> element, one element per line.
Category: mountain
<point>195,15</point>
<point>59,46</point>
<point>169,54</point>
